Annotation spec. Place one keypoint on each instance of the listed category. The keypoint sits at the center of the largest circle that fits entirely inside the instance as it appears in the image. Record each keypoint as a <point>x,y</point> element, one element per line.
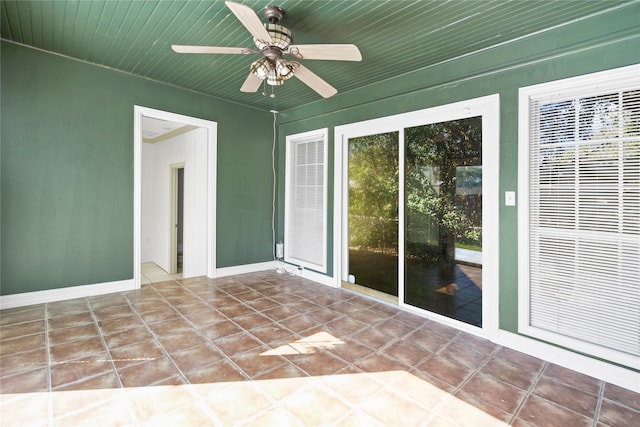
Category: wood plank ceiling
<point>395,37</point>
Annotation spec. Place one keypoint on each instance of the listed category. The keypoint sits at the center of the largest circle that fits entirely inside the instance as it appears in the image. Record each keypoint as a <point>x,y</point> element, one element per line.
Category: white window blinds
<point>583,249</point>
<point>306,200</point>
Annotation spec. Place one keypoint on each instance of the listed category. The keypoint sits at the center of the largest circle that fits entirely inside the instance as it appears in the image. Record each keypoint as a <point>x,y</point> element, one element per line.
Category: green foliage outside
<point>373,192</point>
<point>443,181</point>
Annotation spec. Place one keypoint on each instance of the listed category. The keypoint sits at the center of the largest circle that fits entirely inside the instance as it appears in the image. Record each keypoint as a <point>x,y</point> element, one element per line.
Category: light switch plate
<point>510,198</point>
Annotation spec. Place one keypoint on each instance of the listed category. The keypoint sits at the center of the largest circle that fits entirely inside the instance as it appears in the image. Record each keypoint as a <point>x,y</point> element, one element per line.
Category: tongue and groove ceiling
<point>394,37</point>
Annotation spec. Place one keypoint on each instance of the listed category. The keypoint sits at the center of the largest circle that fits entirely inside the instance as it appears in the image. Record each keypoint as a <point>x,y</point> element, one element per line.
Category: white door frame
<point>489,108</point>
<point>212,141</point>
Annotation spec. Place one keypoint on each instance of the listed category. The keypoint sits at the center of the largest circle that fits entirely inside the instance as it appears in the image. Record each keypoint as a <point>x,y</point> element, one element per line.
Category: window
<point>306,200</point>
<point>580,213</point>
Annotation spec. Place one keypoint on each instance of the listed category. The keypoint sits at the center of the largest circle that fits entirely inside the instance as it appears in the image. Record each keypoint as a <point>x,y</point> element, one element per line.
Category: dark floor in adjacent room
<point>265,349</point>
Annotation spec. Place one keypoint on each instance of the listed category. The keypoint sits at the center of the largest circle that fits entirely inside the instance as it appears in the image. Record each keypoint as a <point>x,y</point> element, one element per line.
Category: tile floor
<point>151,273</point>
<point>265,349</point>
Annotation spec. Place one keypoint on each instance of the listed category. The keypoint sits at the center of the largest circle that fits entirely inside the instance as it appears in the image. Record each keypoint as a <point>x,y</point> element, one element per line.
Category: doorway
<point>197,239</point>
<point>177,219</point>
<point>418,204</point>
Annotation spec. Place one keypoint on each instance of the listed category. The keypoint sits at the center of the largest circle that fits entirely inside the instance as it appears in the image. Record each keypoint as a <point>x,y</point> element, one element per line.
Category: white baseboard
<point>244,269</point>
<point>601,370</point>
<point>307,274</point>
<point>71,292</point>
<point>319,278</point>
<point>273,265</point>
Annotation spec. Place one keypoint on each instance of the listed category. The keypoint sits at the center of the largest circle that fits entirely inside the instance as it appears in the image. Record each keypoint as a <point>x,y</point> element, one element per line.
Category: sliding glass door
<point>373,165</point>
<point>443,211</point>
<point>415,189</point>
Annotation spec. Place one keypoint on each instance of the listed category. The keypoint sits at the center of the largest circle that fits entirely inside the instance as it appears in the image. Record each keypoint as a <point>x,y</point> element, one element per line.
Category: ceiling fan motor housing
<point>281,36</point>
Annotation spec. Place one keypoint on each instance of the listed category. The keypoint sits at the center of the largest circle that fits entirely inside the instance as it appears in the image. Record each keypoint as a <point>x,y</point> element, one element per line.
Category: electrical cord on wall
<point>273,198</point>
<point>280,264</point>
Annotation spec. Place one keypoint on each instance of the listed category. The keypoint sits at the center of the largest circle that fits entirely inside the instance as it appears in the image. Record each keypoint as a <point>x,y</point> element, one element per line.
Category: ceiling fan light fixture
<point>261,68</point>
<point>274,79</point>
<point>284,68</point>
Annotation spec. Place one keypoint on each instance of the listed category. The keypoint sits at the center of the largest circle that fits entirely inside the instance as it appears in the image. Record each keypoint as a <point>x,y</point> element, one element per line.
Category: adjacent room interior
<point>320,213</point>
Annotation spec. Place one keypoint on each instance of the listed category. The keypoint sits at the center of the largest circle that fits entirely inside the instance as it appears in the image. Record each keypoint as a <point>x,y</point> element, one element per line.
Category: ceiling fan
<point>274,42</point>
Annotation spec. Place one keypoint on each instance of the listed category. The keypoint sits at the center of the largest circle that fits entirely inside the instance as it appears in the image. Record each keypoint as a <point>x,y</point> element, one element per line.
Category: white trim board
<point>601,370</point>
<point>212,135</point>
<point>82,291</point>
<point>61,294</point>
<point>301,226</point>
<point>273,265</point>
<point>244,269</point>
<point>318,278</point>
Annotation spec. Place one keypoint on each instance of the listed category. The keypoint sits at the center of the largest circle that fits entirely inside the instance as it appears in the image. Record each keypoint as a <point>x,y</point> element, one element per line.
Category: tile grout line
<point>374,350</point>
<point>429,354</point>
<point>201,403</point>
<point>193,392</point>
<point>104,344</point>
<point>294,333</point>
<point>121,387</point>
<point>274,402</point>
<point>473,374</point>
<point>432,354</point>
<point>529,392</point>
<point>378,350</point>
<point>48,356</point>
<point>205,337</point>
<point>202,335</point>
<point>323,350</point>
<point>244,330</point>
<point>93,405</point>
<point>154,336</point>
<point>596,413</point>
<point>479,368</point>
<point>352,408</point>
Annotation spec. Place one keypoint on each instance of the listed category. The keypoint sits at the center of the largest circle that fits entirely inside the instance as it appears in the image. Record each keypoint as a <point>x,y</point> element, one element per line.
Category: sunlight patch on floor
<point>372,399</point>
<point>306,345</point>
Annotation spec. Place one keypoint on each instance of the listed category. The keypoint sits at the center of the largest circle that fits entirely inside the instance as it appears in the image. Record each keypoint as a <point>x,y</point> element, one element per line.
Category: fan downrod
<point>273,14</point>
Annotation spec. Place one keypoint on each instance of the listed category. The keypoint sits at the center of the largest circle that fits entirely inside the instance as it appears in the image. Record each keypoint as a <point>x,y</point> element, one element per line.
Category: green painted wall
<point>67,171</point>
<point>599,43</point>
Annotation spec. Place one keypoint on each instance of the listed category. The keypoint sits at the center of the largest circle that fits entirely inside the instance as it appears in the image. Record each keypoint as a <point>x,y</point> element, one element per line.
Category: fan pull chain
<point>264,90</point>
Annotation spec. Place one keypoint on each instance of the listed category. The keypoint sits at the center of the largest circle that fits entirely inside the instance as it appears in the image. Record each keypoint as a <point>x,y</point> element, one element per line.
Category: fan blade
<point>335,52</point>
<point>251,84</point>
<point>314,82</point>
<point>250,20</point>
<point>209,49</point>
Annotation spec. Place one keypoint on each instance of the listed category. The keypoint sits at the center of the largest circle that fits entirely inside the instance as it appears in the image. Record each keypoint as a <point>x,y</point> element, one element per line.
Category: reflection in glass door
<point>443,218</point>
<point>373,174</point>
